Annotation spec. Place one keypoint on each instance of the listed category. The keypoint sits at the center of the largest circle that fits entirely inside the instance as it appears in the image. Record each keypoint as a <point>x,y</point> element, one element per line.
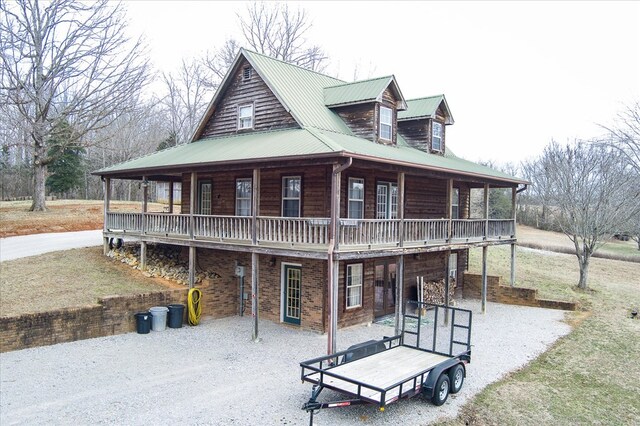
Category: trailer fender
<point>429,384</point>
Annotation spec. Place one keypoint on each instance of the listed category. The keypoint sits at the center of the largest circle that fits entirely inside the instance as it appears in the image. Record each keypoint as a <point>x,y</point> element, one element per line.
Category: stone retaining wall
<point>112,315</point>
<point>496,292</point>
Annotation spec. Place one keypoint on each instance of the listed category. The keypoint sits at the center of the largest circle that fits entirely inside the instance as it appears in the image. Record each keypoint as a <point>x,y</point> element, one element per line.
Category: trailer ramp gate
<point>434,338</point>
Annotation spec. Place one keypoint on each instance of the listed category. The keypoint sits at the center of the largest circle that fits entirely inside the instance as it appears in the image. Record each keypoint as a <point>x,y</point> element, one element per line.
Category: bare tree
<point>625,134</point>
<point>273,29</point>
<point>589,190</point>
<point>66,61</point>
<point>188,92</point>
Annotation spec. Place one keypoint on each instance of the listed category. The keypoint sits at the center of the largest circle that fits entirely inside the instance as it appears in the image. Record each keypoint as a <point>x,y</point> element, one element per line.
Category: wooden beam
<point>447,283</point>
<point>255,205</point>
<point>401,207</point>
<point>192,202</point>
<point>450,209</point>
<point>513,264</point>
<point>484,279</point>
<point>399,294</point>
<point>106,183</point>
<point>192,267</point>
<point>486,211</point>
<point>171,197</point>
<point>255,313</point>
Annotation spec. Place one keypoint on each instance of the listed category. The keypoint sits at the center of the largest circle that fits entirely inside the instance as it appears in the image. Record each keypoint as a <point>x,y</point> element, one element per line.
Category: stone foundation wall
<point>112,315</point>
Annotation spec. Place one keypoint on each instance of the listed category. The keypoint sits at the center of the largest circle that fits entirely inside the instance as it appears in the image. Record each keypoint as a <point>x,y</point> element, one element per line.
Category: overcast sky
<point>515,74</point>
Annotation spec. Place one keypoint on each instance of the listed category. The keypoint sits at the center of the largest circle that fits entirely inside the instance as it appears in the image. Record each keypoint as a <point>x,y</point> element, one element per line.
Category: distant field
<point>557,241</point>
<point>62,216</point>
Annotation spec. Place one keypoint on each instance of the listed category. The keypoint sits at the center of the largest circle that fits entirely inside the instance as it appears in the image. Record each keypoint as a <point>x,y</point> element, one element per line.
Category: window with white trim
<point>455,204</point>
<point>386,200</point>
<point>243,197</point>
<point>354,285</point>
<point>356,198</point>
<point>436,136</point>
<point>245,116</point>
<point>291,194</point>
<point>204,197</point>
<point>386,123</point>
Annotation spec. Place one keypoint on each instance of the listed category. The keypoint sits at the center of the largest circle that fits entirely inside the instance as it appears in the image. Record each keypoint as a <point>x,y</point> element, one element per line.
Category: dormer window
<point>386,123</point>
<point>245,117</point>
<point>436,136</point>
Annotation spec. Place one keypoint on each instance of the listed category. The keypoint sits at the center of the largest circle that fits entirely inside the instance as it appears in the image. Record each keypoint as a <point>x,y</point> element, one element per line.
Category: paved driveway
<point>31,245</point>
<point>214,374</point>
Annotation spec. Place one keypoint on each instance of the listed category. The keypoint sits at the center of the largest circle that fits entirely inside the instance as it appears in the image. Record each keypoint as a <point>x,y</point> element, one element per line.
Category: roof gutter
<point>524,188</point>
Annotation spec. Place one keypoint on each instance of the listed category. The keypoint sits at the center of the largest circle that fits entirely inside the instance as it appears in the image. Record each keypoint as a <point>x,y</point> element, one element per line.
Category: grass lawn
<point>66,279</point>
<point>592,375</point>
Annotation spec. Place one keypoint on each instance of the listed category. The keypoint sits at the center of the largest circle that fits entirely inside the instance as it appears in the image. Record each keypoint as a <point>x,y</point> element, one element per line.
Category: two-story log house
<point>333,196</point>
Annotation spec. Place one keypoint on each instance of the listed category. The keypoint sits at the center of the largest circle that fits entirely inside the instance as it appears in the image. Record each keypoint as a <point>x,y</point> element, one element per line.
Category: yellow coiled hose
<point>194,306</point>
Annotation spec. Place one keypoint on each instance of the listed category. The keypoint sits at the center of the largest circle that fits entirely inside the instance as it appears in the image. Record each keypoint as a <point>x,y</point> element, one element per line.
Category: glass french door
<point>292,294</point>
<point>384,289</point>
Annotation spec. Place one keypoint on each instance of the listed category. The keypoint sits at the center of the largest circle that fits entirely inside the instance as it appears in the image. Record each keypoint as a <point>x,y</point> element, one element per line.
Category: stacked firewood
<point>433,291</point>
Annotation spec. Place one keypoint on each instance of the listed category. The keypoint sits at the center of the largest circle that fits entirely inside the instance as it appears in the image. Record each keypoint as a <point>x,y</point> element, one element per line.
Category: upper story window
<point>386,123</point>
<point>436,136</point>
<point>356,198</point>
<point>243,197</point>
<point>291,196</point>
<point>245,116</point>
<point>455,204</point>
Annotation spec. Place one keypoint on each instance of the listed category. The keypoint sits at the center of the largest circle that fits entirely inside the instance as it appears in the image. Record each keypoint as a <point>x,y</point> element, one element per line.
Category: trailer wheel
<point>456,377</point>
<point>441,391</point>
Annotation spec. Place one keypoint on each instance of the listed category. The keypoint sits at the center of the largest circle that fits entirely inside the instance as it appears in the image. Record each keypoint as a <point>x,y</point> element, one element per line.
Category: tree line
<point>73,90</point>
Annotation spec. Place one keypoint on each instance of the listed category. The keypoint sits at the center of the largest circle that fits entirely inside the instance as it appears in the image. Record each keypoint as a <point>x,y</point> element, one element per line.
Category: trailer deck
<point>383,371</point>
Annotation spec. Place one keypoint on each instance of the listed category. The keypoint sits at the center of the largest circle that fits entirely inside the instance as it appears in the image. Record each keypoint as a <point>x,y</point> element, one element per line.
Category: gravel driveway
<point>214,374</point>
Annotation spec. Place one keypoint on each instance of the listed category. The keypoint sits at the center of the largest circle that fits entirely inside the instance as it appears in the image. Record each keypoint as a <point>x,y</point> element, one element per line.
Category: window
<point>436,136</point>
<point>386,123</point>
<point>453,265</point>
<point>354,285</point>
<point>245,117</point>
<point>204,197</point>
<point>387,200</point>
<point>246,73</point>
<point>356,198</point>
<point>291,190</point>
<point>243,197</point>
<point>455,204</point>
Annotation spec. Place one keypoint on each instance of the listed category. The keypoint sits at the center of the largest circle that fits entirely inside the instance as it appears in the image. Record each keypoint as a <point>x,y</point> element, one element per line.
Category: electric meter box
<point>239,271</point>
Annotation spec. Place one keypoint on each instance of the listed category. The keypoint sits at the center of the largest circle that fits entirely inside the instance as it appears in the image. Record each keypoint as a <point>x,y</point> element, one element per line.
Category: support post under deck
<point>254,294</point>
<point>192,266</point>
<point>484,279</point>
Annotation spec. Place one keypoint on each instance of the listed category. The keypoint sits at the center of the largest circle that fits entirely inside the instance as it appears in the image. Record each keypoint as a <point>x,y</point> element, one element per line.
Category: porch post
<point>450,210</point>
<point>332,263</point>
<point>143,244</point>
<point>399,293</point>
<point>484,279</point>
<point>255,205</point>
<point>513,245</point>
<point>401,208</point>
<point>447,283</point>
<point>486,211</point>
<point>254,293</point>
<point>192,266</point>
<point>192,202</point>
<point>171,197</point>
<point>106,183</point>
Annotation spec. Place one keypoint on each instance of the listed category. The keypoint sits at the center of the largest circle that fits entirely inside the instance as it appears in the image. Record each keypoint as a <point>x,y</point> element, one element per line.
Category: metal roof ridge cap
<point>426,97</point>
<point>358,81</point>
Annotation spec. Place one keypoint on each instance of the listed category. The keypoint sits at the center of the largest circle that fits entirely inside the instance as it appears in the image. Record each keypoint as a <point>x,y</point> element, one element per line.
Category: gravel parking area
<point>214,374</point>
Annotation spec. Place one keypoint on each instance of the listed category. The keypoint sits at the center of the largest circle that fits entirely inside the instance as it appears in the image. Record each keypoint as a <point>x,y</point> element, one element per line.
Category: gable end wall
<point>269,113</point>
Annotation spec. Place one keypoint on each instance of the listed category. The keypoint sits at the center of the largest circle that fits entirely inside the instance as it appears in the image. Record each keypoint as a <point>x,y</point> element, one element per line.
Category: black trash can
<point>143,322</point>
<point>176,314</point>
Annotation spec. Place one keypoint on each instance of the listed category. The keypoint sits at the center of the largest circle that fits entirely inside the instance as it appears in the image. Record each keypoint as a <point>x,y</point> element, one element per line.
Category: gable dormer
<point>244,103</point>
<point>369,107</point>
<point>423,123</point>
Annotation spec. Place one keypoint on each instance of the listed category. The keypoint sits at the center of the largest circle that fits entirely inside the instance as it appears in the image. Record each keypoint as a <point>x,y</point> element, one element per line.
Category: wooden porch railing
<point>310,231</point>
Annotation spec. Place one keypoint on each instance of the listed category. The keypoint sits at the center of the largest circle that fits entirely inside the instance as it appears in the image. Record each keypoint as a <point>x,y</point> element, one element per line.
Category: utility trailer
<point>428,357</point>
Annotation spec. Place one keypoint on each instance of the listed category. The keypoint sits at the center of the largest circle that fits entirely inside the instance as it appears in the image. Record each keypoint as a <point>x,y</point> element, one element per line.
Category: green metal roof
<point>322,133</point>
<point>357,92</point>
<point>424,108</point>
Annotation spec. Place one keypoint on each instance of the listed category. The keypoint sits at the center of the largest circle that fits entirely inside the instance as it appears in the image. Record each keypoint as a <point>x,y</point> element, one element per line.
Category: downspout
<point>524,188</point>
<point>332,293</point>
